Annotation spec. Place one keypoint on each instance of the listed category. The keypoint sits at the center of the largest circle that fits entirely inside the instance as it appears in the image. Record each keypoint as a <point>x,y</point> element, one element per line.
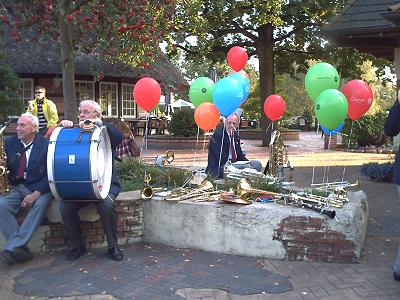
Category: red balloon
<point>147,93</point>
<point>359,95</point>
<point>207,116</point>
<point>274,107</point>
<point>237,58</point>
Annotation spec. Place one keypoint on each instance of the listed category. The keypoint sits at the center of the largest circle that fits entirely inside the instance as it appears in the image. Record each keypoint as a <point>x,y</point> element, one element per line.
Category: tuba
<point>4,184</point>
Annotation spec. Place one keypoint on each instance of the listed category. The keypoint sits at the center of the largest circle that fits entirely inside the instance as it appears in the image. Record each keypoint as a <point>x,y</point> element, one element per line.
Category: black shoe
<point>7,257</point>
<point>115,253</point>
<point>396,276</point>
<point>22,254</point>
<point>77,252</point>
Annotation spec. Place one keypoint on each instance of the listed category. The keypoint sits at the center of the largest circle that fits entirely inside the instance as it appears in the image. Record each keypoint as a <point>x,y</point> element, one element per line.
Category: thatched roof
<point>367,25</point>
<point>43,57</point>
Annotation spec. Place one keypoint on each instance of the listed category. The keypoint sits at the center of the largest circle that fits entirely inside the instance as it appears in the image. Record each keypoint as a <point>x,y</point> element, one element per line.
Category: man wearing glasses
<point>225,146</point>
<point>44,109</point>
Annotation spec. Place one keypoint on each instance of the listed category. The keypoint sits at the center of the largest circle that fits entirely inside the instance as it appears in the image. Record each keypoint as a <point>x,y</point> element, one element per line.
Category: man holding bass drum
<point>105,190</point>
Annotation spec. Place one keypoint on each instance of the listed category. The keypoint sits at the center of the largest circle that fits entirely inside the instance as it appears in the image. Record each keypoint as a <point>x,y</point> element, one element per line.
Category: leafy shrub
<point>183,124</point>
<point>10,98</point>
<point>367,131</point>
<point>378,172</point>
<point>131,173</point>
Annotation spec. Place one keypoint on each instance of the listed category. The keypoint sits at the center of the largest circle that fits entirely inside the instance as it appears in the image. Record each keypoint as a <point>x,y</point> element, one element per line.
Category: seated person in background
<point>231,149</point>
<point>27,163</point>
<point>44,109</point>
<point>90,110</point>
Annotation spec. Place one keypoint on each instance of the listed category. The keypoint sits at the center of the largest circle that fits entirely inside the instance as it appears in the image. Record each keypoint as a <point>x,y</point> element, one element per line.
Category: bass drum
<point>79,163</point>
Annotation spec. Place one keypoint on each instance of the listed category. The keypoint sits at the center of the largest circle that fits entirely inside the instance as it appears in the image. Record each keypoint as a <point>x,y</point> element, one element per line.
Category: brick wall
<point>308,239</point>
<point>129,228</point>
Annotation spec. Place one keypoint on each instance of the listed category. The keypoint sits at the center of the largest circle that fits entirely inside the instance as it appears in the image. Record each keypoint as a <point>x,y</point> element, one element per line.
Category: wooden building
<point>370,26</point>
<point>111,84</point>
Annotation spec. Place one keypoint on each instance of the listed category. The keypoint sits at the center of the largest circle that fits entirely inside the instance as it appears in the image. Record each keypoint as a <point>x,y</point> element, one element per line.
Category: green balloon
<point>320,77</point>
<point>200,91</point>
<point>331,108</point>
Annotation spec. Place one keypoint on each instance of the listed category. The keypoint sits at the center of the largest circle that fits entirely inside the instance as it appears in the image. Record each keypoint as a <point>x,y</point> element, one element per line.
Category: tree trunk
<point>265,51</point>
<point>67,61</point>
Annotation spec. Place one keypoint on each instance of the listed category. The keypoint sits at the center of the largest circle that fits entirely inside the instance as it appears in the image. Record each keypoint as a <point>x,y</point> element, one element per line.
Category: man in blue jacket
<point>27,164</point>
<point>231,149</point>
<point>392,128</point>
<point>90,111</point>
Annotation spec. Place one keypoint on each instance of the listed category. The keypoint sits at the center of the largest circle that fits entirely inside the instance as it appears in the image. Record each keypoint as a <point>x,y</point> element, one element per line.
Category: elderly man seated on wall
<point>225,146</point>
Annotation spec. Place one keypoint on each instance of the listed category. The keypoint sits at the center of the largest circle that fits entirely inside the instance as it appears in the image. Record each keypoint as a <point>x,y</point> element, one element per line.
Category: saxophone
<point>278,159</point>
<point>4,184</point>
<point>277,154</point>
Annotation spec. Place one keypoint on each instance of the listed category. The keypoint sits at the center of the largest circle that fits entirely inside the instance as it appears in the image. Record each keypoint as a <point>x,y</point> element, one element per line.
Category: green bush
<point>131,174</point>
<point>367,131</point>
<point>183,124</point>
<point>10,98</point>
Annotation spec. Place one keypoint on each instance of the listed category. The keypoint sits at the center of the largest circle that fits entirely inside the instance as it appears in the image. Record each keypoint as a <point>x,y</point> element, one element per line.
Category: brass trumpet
<point>244,189</point>
<point>205,188</point>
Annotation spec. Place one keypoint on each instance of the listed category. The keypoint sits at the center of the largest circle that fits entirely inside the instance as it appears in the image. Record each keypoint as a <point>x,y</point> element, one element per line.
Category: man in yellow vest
<point>44,109</point>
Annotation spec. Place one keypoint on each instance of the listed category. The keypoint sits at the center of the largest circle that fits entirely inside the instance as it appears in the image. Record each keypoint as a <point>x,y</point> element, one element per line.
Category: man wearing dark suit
<point>27,164</point>
<point>231,149</point>
<point>90,111</point>
<point>392,128</point>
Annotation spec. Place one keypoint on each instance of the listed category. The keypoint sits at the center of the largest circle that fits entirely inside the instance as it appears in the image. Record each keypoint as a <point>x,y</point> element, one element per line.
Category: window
<point>109,98</point>
<point>128,104</point>
<point>27,89</point>
<point>84,90</point>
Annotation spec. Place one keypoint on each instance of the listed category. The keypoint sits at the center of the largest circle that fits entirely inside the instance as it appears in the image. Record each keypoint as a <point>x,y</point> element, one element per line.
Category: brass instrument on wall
<point>164,160</point>
<point>4,184</point>
<point>278,159</point>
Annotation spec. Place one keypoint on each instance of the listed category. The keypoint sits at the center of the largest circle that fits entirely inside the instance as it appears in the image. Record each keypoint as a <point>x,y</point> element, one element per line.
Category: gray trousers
<point>108,218</point>
<point>19,236</point>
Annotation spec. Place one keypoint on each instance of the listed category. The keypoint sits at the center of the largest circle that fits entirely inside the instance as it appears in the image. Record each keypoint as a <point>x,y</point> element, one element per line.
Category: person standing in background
<point>44,109</point>
<point>392,128</point>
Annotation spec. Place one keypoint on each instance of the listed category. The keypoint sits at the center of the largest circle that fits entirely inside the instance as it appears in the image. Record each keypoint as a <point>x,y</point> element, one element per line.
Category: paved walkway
<point>153,271</point>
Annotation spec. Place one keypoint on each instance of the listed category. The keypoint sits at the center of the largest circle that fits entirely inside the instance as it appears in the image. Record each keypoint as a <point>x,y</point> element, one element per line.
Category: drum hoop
<point>107,162</point>
<point>50,161</point>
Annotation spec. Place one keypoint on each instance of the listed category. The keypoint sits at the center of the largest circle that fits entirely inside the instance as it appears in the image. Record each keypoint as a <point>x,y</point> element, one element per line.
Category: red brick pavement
<point>370,279</point>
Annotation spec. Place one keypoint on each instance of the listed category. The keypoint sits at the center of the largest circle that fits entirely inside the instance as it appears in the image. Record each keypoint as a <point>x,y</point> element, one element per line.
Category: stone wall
<point>267,230</point>
<point>52,234</point>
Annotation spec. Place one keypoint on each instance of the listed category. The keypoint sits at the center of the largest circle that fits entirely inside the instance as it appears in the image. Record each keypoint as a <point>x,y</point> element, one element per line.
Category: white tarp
<point>182,104</point>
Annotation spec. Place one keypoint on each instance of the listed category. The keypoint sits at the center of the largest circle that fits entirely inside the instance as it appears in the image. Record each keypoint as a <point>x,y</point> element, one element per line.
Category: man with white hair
<point>89,111</point>
<point>27,164</point>
<point>225,145</point>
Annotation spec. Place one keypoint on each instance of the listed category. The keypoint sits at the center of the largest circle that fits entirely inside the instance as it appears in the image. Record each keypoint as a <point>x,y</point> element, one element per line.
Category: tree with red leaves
<point>121,30</point>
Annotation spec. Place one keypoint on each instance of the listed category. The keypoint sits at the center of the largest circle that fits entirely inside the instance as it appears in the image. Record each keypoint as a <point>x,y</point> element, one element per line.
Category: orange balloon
<point>207,116</point>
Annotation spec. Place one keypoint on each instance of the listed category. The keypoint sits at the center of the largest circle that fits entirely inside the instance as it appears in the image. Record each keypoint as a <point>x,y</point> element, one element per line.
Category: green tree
<point>123,30</point>
<point>10,100</point>
<point>284,35</point>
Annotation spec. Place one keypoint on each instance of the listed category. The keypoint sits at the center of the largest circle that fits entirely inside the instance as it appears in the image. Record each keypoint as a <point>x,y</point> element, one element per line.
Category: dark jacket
<point>214,149</point>
<point>392,128</point>
<point>36,172</point>
<point>116,137</point>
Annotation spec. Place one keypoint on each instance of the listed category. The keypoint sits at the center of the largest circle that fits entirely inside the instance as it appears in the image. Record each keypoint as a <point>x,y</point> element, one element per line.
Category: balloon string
<point>197,142</point>
<point>220,151</point>
<point>348,147</point>
<point>144,142</point>
<point>313,171</point>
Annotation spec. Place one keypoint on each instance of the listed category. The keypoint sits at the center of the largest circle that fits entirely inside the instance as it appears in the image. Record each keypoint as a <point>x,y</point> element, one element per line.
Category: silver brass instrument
<point>4,183</point>
<point>167,159</point>
<point>315,203</point>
